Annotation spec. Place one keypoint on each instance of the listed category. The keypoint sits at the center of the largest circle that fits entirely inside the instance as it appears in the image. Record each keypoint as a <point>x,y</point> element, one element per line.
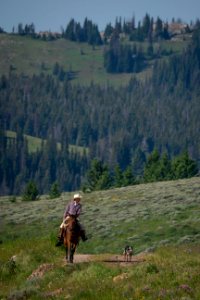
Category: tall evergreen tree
<point>54,191</point>
<point>146,26</point>
<point>128,177</point>
<point>152,167</point>
<point>118,176</point>
<point>31,192</point>
<point>184,167</point>
<point>98,176</point>
<point>158,28</point>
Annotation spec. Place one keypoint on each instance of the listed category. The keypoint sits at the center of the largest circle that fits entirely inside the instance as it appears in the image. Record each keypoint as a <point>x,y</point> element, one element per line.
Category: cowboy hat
<point>77,196</point>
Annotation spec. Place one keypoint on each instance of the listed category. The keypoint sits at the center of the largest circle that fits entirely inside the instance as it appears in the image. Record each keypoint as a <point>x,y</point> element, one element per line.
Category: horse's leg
<point>66,248</point>
<point>72,250</point>
<point>68,251</point>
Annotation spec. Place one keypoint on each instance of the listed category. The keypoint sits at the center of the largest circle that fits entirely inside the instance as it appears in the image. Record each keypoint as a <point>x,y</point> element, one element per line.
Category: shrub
<point>31,192</point>
<point>13,199</point>
<point>152,268</point>
<point>54,191</point>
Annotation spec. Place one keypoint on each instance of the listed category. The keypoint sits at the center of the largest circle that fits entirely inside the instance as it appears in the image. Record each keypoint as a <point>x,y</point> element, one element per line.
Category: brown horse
<point>71,238</point>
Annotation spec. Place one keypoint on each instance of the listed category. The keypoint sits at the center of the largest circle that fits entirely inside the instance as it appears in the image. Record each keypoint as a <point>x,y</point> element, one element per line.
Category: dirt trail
<point>81,258</point>
<point>108,258</point>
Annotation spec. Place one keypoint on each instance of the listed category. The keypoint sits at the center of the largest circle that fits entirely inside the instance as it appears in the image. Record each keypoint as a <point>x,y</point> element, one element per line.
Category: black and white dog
<point>128,252</point>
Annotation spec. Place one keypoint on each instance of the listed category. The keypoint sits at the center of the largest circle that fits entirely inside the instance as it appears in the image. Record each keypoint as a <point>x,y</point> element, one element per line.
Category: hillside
<point>123,121</point>
<point>29,56</point>
<point>145,215</point>
<point>158,218</point>
<point>118,125</point>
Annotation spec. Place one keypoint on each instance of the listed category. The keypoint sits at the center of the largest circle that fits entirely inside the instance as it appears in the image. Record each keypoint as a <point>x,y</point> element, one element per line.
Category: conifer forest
<point>120,131</point>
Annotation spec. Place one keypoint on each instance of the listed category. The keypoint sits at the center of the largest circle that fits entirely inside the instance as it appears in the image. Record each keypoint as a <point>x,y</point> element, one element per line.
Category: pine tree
<point>105,181</point>
<point>165,168</point>
<point>31,192</point>
<point>70,30</point>
<point>98,176</point>
<point>54,191</point>
<point>151,169</point>
<point>159,28</point>
<point>128,178</point>
<point>146,26</point>
<point>183,166</point>
<point>108,32</point>
<point>118,176</point>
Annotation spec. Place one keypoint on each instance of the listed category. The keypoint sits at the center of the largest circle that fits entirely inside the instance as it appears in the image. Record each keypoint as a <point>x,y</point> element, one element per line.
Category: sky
<point>54,14</point>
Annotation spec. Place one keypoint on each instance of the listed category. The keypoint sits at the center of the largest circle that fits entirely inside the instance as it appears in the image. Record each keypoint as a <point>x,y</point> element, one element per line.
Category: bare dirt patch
<point>40,271</point>
<point>107,258</point>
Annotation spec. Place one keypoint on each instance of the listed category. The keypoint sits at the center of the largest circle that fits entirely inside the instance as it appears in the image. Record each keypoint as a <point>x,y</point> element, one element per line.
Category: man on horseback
<point>73,209</point>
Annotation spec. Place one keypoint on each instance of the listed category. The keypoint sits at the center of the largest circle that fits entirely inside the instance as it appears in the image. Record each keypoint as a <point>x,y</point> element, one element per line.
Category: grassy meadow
<point>160,220</point>
<point>35,144</point>
<point>31,56</point>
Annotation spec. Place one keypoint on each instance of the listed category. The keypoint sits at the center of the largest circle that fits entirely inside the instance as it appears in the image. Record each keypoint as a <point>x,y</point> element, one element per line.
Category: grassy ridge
<point>30,56</point>
<point>27,56</point>
<point>162,217</point>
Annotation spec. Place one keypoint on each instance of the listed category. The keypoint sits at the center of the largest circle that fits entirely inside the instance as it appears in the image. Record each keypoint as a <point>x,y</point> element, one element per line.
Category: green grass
<point>170,272</point>
<point>160,220</point>
<point>28,56</point>
<point>35,143</point>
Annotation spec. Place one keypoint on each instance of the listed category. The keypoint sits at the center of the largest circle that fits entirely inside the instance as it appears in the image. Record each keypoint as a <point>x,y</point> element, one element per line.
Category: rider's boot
<point>60,238</point>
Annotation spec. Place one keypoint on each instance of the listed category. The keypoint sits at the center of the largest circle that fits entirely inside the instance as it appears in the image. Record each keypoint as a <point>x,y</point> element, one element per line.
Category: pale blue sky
<point>52,14</point>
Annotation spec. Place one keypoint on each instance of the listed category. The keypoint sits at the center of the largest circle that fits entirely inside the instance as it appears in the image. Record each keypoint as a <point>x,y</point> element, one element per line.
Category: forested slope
<point>119,125</point>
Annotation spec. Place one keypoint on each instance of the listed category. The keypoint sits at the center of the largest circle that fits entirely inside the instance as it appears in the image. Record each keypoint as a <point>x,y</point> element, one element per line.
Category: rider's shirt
<point>73,209</point>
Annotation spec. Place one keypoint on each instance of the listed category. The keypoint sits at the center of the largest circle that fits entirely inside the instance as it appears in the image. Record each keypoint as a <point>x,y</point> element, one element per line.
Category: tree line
<point>88,33</point>
<point>156,168</point>
<point>100,177</point>
<point>149,29</point>
<point>119,56</point>
<point>74,31</point>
